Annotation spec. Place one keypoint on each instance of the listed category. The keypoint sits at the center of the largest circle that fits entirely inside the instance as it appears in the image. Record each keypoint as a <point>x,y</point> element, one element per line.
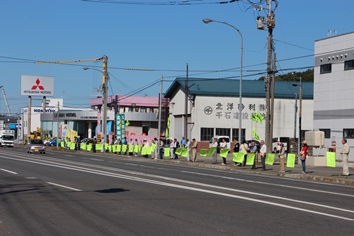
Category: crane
<point>7,104</point>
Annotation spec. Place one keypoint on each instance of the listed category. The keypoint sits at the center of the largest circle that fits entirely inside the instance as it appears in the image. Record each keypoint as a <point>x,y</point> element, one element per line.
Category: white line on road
<point>9,171</point>
<point>63,186</point>
<point>265,183</point>
<point>133,178</point>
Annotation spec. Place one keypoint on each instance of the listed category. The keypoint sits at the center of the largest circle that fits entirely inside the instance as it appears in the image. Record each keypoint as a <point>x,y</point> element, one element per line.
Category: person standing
<point>253,150</point>
<point>263,154</point>
<point>215,153</point>
<point>188,146</point>
<point>345,155</point>
<point>303,155</point>
<point>282,157</point>
<point>162,144</point>
<point>223,145</point>
<point>236,147</point>
<point>194,147</point>
<point>172,149</point>
<point>183,142</point>
<point>244,149</point>
<point>176,145</point>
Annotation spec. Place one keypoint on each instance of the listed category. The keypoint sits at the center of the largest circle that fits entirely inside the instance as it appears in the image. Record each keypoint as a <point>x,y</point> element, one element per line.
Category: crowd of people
<point>157,150</point>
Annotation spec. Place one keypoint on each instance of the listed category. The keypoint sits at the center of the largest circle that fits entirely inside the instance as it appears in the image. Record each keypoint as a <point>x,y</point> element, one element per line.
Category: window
<point>235,134</point>
<point>349,65</point>
<point>348,133</point>
<point>327,68</point>
<point>327,133</point>
<point>222,132</point>
<point>206,134</point>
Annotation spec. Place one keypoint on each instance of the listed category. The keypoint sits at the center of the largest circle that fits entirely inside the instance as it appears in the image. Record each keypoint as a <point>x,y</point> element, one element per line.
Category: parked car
<point>53,142</point>
<point>36,145</point>
<point>276,143</point>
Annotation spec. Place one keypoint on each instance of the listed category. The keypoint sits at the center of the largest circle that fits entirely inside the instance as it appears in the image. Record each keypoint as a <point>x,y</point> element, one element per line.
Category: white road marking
<point>9,171</point>
<point>95,159</point>
<point>132,178</point>
<point>265,183</point>
<point>63,186</point>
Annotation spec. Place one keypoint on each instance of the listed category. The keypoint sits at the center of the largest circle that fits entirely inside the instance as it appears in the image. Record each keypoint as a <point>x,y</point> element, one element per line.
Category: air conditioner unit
<point>315,138</point>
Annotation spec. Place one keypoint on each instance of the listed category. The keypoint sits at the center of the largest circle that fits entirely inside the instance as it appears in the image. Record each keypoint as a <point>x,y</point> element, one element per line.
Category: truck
<point>7,138</point>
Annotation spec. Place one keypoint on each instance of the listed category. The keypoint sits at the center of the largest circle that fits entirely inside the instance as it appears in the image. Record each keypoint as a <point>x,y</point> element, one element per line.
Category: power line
<point>163,3</point>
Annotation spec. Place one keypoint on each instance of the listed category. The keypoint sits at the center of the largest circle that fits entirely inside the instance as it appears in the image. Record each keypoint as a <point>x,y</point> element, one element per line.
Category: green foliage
<point>306,76</point>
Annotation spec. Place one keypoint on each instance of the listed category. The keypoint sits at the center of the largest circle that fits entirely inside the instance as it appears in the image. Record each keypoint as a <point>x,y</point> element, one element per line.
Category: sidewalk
<point>316,173</point>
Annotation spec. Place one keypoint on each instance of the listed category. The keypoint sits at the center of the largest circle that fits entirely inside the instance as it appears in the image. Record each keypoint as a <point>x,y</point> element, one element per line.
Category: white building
<point>334,90</point>
<point>213,108</point>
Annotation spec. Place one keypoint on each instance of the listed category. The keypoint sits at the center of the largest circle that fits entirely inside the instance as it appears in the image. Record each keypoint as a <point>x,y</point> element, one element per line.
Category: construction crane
<point>104,85</point>
<point>7,104</point>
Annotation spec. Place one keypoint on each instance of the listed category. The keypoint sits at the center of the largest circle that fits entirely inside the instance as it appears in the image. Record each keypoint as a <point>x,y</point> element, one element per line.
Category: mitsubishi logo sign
<point>37,85</point>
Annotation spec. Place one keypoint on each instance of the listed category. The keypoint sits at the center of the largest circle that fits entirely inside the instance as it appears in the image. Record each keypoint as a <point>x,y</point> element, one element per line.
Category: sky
<point>157,37</point>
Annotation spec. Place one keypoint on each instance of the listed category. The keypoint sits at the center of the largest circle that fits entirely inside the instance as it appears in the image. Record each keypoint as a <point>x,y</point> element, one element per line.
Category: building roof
<point>230,87</point>
<point>130,101</point>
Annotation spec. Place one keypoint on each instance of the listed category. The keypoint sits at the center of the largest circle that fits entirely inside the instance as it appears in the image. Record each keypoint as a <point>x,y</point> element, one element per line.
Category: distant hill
<point>306,76</point>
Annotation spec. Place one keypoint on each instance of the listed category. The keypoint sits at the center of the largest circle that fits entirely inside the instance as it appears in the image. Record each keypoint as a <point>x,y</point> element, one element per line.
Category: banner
<point>238,157</point>
<point>120,127</point>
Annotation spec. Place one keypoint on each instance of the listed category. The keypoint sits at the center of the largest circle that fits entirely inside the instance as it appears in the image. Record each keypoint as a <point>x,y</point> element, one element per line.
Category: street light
<point>104,96</point>
<point>207,21</point>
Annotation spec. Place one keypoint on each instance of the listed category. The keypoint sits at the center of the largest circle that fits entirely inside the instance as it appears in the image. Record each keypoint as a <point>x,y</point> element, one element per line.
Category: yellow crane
<point>104,85</point>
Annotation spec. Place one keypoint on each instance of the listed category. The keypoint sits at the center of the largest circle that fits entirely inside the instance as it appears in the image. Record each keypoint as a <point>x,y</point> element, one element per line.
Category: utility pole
<point>160,116</point>
<point>186,106</point>
<point>272,98</point>
<point>269,119</point>
<point>300,112</point>
<point>104,97</point>
<point>58,130</point>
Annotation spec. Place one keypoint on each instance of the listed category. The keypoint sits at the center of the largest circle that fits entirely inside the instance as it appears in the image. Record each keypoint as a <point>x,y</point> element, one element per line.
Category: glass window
<point>327,133</point>
<point>222,132</point>
<point>348,133</point>
<point>349,65</point>
<point>235,134</point>
<point>206,134</point>
<point>327,68</point>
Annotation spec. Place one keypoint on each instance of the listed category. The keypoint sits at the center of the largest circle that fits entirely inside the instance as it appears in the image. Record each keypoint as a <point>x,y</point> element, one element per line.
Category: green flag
<point>250,159</point>
<point>238,157</point>
<point>211,151</point>
<point>137,148</point>
<point>127,123</point>
<point>260,118</point>
<point>224,152</point>
<point>184,152</point>
<point>166,152</point>
<point>254,117</point>
<point>203,152</point>
<point>124,148</point>
<point>290,161</point>
<point>131,148</point>
<point>168,122</point>
<point>89,147</point>
<point>178,151</point>
<point>254,134</point>
<point>331,159</point>
<point>269,159</point>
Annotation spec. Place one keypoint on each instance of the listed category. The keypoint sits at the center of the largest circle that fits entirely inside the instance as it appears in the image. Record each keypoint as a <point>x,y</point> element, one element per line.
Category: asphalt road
<point>67,193</point>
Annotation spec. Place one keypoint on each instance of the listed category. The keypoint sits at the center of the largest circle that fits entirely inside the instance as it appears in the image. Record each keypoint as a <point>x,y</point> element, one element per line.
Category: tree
<point>306,76</point>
